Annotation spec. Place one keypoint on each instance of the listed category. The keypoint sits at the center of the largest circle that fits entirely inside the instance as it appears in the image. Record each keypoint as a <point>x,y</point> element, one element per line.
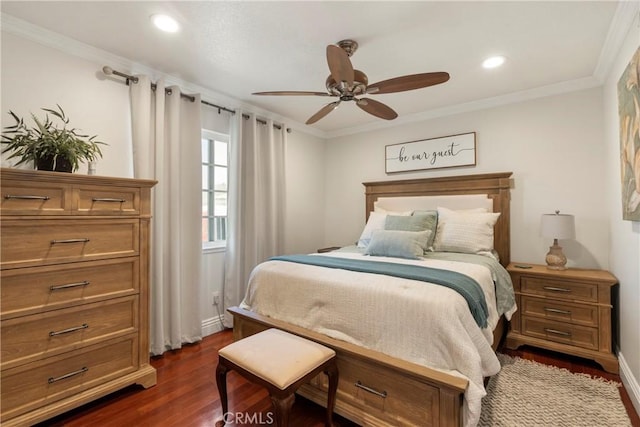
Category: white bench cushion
<point>277,356</point>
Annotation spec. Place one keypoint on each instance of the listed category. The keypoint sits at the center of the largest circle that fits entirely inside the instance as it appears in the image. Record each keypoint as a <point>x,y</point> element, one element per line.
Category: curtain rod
<point>109,71</point>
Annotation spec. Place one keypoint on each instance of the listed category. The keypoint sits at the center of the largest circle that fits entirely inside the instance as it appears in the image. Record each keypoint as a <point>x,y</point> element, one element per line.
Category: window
<point>215,166</point>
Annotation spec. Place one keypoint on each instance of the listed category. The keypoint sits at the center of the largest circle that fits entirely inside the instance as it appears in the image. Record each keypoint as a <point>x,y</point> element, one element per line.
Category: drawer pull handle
<point>25,197</point>
<point>69,375</point>
<point>69,285</point>
<point>370,390</point>
<point>68,330</point>
<point>83,240</point>
<point>556,310</point>
<point>108,199</point>
<point>554,289</point>
<point>557,332</point>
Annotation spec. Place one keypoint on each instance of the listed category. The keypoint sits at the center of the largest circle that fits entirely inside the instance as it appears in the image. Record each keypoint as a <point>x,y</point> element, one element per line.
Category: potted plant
<point>50,147</point>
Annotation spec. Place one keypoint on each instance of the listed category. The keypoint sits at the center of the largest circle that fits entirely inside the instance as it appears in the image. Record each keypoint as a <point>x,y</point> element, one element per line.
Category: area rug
<point>527,393</point>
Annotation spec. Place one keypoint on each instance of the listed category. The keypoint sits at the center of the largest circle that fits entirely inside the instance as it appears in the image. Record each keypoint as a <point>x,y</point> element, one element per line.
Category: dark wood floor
<point>186,394</point>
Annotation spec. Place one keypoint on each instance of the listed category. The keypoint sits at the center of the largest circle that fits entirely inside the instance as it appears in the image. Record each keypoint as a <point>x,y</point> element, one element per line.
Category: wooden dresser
<point>567,311</point>
<point>75,291</point>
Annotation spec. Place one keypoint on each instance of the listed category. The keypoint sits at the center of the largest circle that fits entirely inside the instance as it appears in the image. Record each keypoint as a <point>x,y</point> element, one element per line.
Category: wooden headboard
<point>496,186</point>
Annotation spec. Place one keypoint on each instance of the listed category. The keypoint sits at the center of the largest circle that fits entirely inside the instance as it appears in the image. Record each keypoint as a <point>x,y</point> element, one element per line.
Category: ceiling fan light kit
<point>349,84</point>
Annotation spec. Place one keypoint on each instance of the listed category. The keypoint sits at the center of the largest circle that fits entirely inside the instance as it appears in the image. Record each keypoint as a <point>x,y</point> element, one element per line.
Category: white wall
<point>624,256</point>
<point>35,76</point>
<point>552,145</point>
<point>305,160</point>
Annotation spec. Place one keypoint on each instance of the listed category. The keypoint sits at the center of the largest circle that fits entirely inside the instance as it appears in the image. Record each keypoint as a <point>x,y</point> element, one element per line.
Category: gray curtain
<point>256,202</point>
<point>166,132</point>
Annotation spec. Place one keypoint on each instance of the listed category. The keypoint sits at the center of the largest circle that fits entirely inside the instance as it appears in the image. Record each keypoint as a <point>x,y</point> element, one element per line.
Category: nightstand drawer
<point>577,314</point>
<point>560,289</point>
<point>564,310</point>
<point>580,336</point>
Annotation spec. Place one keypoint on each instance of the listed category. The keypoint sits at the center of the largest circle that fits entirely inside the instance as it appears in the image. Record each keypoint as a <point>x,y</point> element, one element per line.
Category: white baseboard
<point>212,325</point>
<point>630,382</point>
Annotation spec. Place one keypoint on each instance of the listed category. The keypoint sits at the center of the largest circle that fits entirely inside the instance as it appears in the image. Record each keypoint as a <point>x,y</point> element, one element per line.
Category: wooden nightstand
<point>567,311</point>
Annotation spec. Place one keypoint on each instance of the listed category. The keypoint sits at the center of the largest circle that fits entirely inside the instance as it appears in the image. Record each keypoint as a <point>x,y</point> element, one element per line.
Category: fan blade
<point>410,82</point>
<point>376,108</point>
<point>291,93</point>
<point>340,65</point>
<point>323,112</point>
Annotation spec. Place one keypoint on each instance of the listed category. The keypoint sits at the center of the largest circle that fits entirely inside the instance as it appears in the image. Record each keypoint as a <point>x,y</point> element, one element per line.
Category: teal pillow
<point>406,223</point>
<point>398,243</point>
<point>431,219</point>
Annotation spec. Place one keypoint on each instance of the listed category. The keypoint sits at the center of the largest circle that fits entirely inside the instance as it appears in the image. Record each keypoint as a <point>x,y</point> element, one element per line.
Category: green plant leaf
<point>46,139</point>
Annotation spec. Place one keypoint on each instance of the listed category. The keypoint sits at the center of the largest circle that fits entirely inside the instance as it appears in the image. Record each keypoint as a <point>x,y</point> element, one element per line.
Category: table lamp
<point>557,226</point>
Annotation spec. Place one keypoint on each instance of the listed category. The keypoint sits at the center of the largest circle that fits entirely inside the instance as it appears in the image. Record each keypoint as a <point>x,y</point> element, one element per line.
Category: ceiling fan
<point>349,84</point>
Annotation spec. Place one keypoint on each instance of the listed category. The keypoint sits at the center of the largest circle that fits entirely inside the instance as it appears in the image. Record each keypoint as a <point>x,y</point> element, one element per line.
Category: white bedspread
<point>419,322</point>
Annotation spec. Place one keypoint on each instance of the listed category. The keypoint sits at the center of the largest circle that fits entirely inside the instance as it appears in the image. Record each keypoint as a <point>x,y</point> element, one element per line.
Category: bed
<point>381,382</point>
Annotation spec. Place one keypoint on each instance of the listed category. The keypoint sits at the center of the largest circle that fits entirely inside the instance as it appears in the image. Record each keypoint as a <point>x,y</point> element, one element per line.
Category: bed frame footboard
<point>374,389</point>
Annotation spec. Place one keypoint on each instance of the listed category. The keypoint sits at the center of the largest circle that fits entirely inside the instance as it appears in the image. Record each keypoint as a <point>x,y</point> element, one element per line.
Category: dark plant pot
<point>47,164</point>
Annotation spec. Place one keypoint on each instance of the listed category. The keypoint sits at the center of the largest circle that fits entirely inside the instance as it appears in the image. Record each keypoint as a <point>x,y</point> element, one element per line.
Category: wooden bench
<point>281,362</point>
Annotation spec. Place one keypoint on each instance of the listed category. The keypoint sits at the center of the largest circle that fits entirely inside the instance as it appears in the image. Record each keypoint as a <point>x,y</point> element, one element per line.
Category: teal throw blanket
<point>464,285</point>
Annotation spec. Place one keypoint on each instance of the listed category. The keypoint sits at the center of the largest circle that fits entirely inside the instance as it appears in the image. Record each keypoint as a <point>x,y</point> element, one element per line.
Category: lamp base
<point>555,258</point>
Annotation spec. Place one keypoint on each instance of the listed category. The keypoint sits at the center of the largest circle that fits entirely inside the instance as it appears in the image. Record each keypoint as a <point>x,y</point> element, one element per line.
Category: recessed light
<point>493,62</point>
<point>165,23</point>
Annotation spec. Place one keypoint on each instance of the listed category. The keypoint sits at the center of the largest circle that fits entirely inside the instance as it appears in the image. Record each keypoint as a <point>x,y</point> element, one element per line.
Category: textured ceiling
<point>236,48</point>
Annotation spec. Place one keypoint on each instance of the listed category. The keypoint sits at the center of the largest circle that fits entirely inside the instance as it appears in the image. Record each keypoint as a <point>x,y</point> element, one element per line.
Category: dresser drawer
<point>29,338</point>
<point>93,200</point>
<point>34,385</point>
<point>580,336</point>
<point>39,242</point>
<point>34,198</point>
<point>578,314</point>
<point>560,289</point>
<point>35,289</point>
<point>408,404</point>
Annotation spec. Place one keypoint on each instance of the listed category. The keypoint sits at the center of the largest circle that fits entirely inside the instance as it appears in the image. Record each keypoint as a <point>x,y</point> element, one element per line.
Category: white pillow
<point>376,221</point>
<point>469,231</point>
<point>447,211</point>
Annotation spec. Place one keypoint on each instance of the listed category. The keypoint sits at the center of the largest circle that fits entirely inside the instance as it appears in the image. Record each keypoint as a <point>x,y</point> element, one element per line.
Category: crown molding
<point>626,13</point>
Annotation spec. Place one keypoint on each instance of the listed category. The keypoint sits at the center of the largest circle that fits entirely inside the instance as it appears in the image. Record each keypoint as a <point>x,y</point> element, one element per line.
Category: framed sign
<point>435,153</point>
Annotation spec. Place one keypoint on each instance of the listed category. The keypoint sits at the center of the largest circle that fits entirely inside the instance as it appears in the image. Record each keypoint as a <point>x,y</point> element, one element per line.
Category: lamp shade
<point>558,226</point>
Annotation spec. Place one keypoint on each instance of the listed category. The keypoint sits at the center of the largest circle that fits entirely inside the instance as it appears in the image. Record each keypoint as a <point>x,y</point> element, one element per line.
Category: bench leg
<point>282,406</point>
<point>221,381</point>
<point>332,373</point>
